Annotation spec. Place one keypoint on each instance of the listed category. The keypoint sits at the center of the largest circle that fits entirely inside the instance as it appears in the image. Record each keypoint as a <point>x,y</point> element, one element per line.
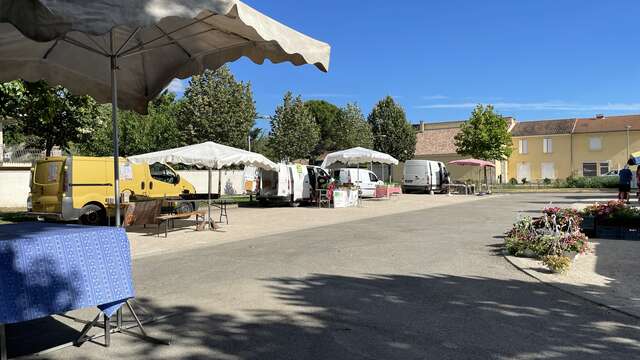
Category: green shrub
<point>513,181</point>
<point>557,263</point>
<point>546,181</point>
<point>524,181</point>
<point>596,182</point>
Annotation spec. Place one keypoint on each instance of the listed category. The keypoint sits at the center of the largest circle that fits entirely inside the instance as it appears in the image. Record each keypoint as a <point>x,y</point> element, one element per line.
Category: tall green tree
<point>139,134</point>
<point>392,133</point>
<point>294,133</point>
<point>260,143</point>
<point>49,115</point>
<point>352,129</point>
<point>485,136</point>
<point>326,115</point>
<point>11,109</point>
<point>217,108</point>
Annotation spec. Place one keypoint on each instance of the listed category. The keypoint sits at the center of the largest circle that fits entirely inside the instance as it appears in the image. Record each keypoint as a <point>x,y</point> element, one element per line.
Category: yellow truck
<point>81,188</point>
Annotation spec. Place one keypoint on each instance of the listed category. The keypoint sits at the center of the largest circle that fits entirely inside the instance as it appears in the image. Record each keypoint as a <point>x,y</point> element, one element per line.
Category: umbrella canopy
<point>128,51</point>
<point>472,162</point>
<point>209,155</point>
<point>72,43</point>
<point>635,158</point>
<point>358,155</point>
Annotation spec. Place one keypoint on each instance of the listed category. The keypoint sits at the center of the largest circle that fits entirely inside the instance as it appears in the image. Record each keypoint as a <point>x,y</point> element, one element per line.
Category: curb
<point>575,294</point>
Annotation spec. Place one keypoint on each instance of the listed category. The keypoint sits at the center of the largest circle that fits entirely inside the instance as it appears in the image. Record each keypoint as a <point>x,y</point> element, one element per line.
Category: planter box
<point>630,234</point>
<point>589,223</point>
<point>608,232</point>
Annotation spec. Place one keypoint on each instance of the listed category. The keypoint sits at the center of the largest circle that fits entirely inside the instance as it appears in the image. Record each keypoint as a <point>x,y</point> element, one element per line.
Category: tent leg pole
<point>114,120</point>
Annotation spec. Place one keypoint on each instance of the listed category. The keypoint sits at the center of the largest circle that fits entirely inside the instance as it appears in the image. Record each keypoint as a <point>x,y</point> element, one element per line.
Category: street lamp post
<point>628,152</point>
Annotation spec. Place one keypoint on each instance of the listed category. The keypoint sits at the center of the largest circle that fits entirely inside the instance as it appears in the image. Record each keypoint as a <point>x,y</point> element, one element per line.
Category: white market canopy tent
<point>208,155</point>
<point>358,155</point>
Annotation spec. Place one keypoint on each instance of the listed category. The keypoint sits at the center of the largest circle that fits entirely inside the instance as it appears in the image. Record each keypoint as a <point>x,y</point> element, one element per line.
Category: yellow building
<point>551,149</point>
<point>556,149</point>
<point>541,149</point>
<point>602,144</point>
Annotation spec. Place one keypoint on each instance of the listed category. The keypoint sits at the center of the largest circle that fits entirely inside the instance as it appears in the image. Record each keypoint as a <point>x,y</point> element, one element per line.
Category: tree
<point>217,108</point>
<point>352,129</point>
<point>326,115</point>
<point>485,136</point>
<point>294,133</point>
<point>260,143</point>
<point>11,108</point>
<point>139,134</point>
<point>48,116</point>
<point>392,133</point>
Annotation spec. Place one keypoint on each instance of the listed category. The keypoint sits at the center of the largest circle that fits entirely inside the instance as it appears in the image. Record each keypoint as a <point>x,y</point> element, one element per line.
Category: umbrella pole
<point>209,201</point>
<point>114,120</point>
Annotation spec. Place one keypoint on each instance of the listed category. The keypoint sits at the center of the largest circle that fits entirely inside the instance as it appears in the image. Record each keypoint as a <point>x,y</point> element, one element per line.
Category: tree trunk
<point>48,146</point>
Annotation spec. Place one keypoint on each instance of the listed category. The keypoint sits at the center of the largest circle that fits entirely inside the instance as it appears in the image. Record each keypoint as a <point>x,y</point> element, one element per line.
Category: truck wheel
<point>93,215</point>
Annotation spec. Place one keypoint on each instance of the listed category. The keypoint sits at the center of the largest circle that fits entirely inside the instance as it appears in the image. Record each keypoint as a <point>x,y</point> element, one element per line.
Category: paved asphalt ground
<point>422,285</point>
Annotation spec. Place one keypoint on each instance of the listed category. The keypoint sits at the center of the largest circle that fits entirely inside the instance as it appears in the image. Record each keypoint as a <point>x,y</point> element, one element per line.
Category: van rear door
<point>416,174</point>
<point>47,186</point>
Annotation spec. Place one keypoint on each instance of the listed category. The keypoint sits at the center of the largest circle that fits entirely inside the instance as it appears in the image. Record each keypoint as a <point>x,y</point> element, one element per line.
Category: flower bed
<point>613,220</point>
<point>554,237</point>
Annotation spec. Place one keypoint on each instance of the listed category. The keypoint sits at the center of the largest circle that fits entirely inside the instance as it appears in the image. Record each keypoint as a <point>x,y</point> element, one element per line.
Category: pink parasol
<point>472,162</point>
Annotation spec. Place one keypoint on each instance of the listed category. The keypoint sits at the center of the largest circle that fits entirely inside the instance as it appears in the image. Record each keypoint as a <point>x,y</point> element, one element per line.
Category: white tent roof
<point>208,155</point>
<point>71,42</point>
<point>358,155</point>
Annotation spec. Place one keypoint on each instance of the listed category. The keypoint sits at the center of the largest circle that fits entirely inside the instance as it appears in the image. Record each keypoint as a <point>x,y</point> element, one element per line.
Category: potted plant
<point>558,264</point>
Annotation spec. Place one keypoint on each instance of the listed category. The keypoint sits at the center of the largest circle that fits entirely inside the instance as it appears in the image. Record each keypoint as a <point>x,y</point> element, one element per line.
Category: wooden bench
<point>169,219</point>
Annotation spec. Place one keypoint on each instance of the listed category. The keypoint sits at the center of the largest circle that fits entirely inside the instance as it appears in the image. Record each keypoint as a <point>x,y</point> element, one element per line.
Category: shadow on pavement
<point>399,317</point>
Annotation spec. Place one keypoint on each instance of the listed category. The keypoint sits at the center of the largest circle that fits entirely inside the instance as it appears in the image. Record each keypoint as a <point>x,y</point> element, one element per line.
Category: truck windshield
<point>162,172</point>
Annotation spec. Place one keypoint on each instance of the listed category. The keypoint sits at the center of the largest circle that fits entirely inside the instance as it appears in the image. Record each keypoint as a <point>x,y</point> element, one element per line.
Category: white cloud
<point>541,106</point>
<point>176,86</point>
<point>435,97</point>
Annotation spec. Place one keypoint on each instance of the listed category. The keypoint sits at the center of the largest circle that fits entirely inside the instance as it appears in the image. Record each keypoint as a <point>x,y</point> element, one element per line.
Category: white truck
<point>365,179</point>
<point>424,176</point>
<point>292,184</point>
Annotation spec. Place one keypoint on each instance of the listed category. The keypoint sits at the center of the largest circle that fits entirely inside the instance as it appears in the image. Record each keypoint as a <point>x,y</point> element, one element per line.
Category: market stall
<point>358,156</point>
<point>209,155</point>
<point>483,186</point>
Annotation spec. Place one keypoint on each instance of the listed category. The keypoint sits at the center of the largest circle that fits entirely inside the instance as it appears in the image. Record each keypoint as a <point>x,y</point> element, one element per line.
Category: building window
<point>595,143</point>
<point>524,171</point>
<point>590,169</point>
<point>604,167</point>
<point>523,146</point>
<point>547,146</point>
<point>548,171</point>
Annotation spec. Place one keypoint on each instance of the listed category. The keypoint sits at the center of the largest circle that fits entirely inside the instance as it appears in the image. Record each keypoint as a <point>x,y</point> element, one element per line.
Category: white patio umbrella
<point>127,51</point>
<point>208,155</point>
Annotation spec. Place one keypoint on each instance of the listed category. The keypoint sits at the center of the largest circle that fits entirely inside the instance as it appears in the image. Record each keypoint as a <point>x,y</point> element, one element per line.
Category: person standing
<point>638,182</point>
<point>625,183</point>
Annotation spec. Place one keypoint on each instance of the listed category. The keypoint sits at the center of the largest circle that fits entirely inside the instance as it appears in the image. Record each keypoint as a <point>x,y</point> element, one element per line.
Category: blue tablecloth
<point>48,269</point>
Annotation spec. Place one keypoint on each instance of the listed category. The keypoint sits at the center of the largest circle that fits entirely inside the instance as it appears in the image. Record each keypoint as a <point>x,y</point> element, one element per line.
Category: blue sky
<point>534,59</point>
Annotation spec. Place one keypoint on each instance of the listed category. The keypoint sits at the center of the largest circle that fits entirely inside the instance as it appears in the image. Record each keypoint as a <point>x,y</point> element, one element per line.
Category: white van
<point>424,176</point>
<point>290,183</point>
<point>365,179</point>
